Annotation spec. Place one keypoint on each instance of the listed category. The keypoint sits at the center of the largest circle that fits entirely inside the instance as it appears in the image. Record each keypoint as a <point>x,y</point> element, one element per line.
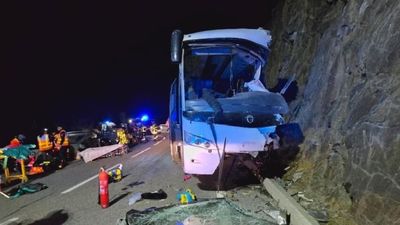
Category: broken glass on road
<point>210,212</point>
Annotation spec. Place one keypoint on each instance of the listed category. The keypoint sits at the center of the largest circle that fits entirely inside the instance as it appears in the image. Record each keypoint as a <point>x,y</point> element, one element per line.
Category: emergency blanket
<point>210,212</point>
<point>21,152</point>
<point>91,154</point>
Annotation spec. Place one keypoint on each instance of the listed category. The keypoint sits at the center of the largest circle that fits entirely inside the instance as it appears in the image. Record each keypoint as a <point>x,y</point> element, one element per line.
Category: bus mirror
<point>176,46</point>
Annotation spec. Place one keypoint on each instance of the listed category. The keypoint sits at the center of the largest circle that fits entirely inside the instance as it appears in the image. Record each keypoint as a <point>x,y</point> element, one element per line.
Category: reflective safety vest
<point>57,138</point>
<point>44,143</point>
<point>154,129</point>
<point>122,137</point>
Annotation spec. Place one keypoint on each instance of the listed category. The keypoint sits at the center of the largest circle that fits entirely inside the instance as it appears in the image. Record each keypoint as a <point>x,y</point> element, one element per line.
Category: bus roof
<point>258,36</point>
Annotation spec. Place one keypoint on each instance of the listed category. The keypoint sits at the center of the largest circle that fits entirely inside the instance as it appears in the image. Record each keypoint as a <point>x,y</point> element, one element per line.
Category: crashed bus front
<point>218,103</point>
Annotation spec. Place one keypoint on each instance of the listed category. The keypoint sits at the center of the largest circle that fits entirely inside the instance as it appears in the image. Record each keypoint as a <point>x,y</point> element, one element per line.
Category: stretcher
<point>20,153</point>
<point>7,176</point>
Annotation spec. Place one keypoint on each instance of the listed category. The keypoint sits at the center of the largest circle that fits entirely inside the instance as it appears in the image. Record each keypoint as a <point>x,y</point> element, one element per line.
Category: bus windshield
<point>222,69</point>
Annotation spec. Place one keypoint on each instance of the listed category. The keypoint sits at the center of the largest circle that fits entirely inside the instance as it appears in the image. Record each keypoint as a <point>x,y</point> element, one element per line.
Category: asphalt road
<point>72,193</point>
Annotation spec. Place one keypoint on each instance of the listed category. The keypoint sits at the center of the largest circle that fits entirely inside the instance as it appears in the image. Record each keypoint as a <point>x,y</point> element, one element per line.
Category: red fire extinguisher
<point>103,188</point>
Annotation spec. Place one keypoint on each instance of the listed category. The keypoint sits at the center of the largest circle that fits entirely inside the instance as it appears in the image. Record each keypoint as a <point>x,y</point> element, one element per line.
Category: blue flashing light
<point>144,118</point>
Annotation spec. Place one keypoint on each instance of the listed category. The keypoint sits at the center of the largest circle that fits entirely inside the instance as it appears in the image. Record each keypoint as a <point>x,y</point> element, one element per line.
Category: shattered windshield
<point>222,69</point>
<point>220,82</point>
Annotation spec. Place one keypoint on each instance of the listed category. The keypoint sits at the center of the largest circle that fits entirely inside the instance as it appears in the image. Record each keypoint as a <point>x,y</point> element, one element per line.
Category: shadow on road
<point>115,200</point>
<point>133,184</point>
<point>54,218</point>
<point>136,183</point>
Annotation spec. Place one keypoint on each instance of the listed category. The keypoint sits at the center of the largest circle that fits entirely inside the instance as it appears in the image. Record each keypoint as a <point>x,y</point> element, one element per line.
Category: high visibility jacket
<point>122,137</point>
<point>58,138</point>
<point>44,143</point>
<point>154,129</point>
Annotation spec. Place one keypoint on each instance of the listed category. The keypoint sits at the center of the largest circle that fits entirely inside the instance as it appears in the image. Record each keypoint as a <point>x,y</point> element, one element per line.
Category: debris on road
<point>91,154</point>
<point>25,188</point>
<point>186,177</point>
<point>186,197</point>
<point>134,198</point>
<point>297,176</point>
<point>216,211</point>
<point>115,175</point>
<point>155,195</point>
<point>160,194</point>
<point>303,197</point>
<point>276,214</point>
<point>192,220</point>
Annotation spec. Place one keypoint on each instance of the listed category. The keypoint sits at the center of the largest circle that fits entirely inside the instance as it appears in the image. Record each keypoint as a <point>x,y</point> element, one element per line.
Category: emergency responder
<point>122,138</point>
<point>61,144</point>
<point>44,141</point>
<point>14,143</point>
<point>154,130</point>
<point>17,141</point>
<point>44,158</point>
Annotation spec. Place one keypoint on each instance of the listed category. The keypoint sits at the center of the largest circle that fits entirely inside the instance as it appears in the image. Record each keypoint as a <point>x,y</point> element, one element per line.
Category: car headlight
<point>197,141</point>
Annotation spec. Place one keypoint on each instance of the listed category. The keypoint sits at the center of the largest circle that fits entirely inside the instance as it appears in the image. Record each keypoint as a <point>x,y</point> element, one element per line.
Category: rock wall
<point>346,58</point>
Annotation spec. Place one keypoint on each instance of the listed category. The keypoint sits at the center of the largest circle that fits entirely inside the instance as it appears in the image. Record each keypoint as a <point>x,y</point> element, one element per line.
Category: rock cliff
<point>346,58</point>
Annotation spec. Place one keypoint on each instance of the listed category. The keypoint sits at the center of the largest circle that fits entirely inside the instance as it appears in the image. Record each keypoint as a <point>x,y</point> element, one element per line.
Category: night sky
<point>79,63</point>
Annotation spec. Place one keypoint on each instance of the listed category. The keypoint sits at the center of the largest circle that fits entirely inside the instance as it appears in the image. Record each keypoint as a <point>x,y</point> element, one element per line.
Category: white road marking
<point>157,143</point>
<point>10,221</point>
<point>145,150</point>
<point>95,176</point>
<point>86,181</point>
<point>5,195</point>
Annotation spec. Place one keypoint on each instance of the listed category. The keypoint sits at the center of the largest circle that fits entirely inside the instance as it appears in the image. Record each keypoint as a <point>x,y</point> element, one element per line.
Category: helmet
<point>21,137</point>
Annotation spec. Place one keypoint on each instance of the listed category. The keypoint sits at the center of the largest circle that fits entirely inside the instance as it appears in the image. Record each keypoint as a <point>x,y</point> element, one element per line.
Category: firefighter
<point>61,143</point>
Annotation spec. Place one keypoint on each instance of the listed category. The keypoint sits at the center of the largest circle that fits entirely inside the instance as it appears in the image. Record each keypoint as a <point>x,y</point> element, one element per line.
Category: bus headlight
<point>198,141</point>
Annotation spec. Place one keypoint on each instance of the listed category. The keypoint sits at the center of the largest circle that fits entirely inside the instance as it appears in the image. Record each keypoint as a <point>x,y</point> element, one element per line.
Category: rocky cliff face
<point>346,57</point>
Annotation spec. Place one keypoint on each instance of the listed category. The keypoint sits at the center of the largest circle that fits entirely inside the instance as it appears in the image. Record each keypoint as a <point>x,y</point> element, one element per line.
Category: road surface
<point>72,193</point>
